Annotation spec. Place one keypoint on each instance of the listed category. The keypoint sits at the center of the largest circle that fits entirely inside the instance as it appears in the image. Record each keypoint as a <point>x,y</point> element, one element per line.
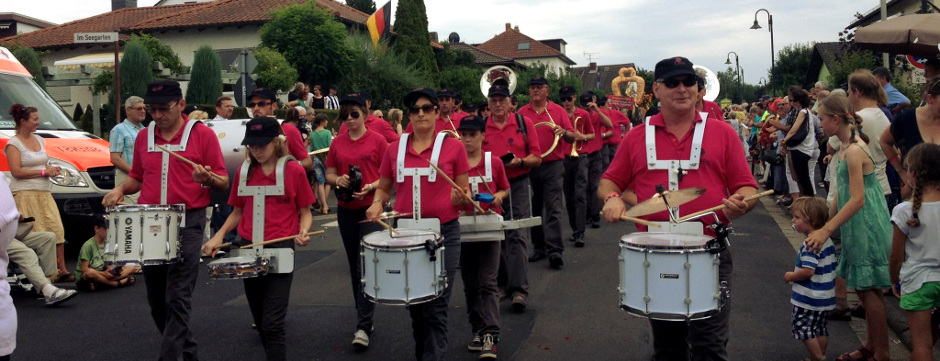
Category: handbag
<point>801,133</point>
<point>22,230</point>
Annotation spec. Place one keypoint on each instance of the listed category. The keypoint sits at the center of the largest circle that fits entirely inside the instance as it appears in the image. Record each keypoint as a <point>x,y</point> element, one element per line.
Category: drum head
<point>664,240</point>
<point>404,238</point>
<point>233,261</point>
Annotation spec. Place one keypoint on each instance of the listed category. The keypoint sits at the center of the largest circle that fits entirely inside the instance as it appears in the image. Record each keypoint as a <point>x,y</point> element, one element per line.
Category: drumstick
<point>487,185</point>
<point>716,208</point>
<point>457,187</point>
<point>313,233</point>
<point>182,158</point>
<point>390,228</point>
<point>318,151</point>
<point>640,221</point>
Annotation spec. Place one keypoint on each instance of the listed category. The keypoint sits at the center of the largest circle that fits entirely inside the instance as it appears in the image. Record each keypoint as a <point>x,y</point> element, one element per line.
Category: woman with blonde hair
<point>198,115</point>
<point>394,119</point>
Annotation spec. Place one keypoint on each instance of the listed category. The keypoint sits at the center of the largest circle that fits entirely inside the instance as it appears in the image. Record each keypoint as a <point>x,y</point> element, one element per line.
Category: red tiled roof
<point>506,45</point>
<point>206,14</point>
<point>483,57</point>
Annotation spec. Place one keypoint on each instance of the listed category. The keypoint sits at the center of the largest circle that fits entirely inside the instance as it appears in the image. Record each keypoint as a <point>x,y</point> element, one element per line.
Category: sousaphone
<point>712,87</point>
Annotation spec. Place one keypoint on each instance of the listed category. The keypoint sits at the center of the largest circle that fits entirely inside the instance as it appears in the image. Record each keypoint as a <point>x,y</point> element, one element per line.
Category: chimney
<point>592,66</point>
<point>120,4</point>
<point>433,35</point>
<point>517,28</point>
<point>508,26</point>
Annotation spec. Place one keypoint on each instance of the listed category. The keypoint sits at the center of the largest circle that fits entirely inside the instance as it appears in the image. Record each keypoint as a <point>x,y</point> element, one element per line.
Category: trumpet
<point>576,145</point>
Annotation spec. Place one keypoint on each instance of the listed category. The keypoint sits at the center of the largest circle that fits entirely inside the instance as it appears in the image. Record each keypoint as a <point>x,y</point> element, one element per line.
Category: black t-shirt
<point>292,96</point>
<point>905,131</point>
<point>318,103</point>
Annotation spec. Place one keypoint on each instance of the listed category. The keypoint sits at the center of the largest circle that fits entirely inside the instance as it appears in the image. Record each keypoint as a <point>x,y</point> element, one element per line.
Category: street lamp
<point>770,24</point>
<point>737,66</point>
<point>762,81</point>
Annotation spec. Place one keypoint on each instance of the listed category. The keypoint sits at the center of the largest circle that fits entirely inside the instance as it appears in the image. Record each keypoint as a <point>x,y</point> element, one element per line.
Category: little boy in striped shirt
<point>813,279</point>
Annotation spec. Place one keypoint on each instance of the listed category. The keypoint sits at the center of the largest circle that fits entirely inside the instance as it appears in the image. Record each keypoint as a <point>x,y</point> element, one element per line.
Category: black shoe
<point>579,242</point>
<point>537,257</point>
<point>844,314</point>
<point>595,224</point>
<point>555,261</point>
<point>519,302</point>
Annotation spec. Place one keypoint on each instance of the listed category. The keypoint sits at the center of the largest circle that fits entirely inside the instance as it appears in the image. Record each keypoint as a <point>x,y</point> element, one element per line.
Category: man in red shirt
<point>548,178</point>
<point>621,124</point>
<point>512,137</point>
<point>262,103</point>
<point>720,167</point>
<point>576,167</point>
<point>372,123</point>
<point>162,179</point>
<point>594,150</point>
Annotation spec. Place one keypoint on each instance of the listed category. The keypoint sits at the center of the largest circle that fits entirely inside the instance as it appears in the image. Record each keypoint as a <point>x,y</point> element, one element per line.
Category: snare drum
<point>403,269</point>
<point>238,267</point>
<point>144,234</point>
<point>671,277</point>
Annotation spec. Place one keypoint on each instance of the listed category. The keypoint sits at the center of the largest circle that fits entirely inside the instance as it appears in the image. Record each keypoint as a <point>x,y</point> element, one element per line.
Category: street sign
<point>242,89</point>
<point>916,61</point>
<point>240,62</point>
<point>95,37</point>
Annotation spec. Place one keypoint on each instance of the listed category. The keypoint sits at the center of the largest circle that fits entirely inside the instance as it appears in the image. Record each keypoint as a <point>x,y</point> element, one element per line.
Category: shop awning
<point>98,60</point>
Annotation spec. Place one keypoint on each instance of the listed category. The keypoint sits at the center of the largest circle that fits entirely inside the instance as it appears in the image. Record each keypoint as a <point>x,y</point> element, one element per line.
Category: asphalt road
<point>573,313</point>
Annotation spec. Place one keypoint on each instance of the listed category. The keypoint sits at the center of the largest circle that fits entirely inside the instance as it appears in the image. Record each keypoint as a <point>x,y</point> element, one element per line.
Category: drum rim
<point>662,316</point>
<point>438,239</point>
<point>665,249</point>
<point>706,239</point>
<point>145,207</point>
<point>414,301</point>
<point>244,260</point>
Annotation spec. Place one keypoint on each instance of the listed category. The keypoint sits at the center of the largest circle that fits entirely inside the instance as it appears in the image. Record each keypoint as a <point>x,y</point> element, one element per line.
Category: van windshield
<point>22,90</point>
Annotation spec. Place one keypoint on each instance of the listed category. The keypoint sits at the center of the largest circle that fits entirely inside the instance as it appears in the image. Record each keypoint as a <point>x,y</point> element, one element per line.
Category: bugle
<point>575,146</point>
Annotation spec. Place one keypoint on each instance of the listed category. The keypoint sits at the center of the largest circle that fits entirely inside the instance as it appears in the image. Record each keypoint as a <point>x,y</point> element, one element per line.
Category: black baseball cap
<point>672,67</point>
<point>354,99</point>
<point>261,131</point>
<point>483,104</point>
<point>538,80</point>
<point>602,100</point>
<point>412,97</point>
<point>446,93</point>
<point>498,89</point>
<point>265,93</point>
<point>162,92</point>
<point>472,122</point>
<point>586,97</point>
<point>334,87</point>
<point>566,91</point>
<point>365,95</point>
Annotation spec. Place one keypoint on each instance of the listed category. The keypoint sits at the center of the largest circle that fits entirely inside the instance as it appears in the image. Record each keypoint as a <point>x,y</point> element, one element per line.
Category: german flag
<point>379,23</point>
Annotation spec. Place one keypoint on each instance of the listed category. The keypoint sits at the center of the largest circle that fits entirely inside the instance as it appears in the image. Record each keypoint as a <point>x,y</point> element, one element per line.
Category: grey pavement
<point>573,313</point>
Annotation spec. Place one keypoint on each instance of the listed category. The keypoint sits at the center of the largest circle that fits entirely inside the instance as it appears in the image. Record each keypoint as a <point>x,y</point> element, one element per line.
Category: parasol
<point>915,34</point>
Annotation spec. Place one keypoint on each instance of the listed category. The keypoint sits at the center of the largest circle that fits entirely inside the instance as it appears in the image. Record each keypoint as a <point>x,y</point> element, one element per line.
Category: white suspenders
<point>280,260</point>
<point>417,173</point>
<point>165,164</point>
<point>675,168</point>
<point>487,175</point>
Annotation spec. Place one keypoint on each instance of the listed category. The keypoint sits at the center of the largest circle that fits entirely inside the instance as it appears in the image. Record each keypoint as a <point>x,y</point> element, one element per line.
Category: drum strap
<point>258,194</point>
<point>487,175</point>
<point>674,167</point>
<point>165,163</point>
<point>416,173</point>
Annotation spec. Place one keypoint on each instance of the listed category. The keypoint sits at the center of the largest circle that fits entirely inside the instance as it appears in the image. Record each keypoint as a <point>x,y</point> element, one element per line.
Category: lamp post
<point>737,66</point>
<point>770,24</point>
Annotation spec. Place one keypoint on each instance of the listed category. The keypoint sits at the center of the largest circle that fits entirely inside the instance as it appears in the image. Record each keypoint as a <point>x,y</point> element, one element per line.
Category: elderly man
<point>122,141</point>
<point>719,166</point>
<point>896,100</point>
<point>224,107</point>
<point>164,180</point>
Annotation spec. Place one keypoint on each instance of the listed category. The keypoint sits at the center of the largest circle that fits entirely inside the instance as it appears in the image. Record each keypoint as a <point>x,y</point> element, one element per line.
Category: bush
<point>273,70</point>
<point>311,39</point>
<point>32,61</point>
<point>205,82</point>
<point>160,52</point>
<point>386,75</point>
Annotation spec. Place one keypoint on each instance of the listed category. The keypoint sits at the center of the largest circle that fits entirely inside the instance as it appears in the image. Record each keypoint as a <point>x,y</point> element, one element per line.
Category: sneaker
<point>579,242</point>
<point>361,339</point>
<point>595,224</point>
<point>519,302</point>
<point>60,295</point>
<point>489,348</point>
<point>535,257</point>
<point>555,261</point>
<point>476,344</point>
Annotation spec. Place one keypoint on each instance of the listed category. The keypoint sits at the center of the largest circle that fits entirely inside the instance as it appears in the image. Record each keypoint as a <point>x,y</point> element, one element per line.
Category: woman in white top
<point>801,154</point>
<point>26,155</point>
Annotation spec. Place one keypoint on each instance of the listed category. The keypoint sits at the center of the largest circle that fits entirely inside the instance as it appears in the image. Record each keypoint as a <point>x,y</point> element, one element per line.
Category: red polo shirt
<point>281,218</point>
<point>366,152</point>
<point>546,134</point>
<point>597,143</point>
<point>435,197</point>
<point>203,148</point>
<point>621,125</point>
<point>713,110</point>
<point>376,125</point>
<point>723,168</point>
<point>295,142</point>
<point>509,139</point>
<point>499,182</point>
<point>584,127</point>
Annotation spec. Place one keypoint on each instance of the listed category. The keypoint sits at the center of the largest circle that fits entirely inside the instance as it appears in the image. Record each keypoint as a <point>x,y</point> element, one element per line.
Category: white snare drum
<point>671,277</point>
<point>237,267</point>
<point>144,234</point>
<point>404,269</point>
<point>481,228</point>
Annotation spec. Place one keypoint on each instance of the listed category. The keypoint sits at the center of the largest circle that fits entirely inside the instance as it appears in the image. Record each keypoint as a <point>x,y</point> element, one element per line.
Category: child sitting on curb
<point>92,274</point>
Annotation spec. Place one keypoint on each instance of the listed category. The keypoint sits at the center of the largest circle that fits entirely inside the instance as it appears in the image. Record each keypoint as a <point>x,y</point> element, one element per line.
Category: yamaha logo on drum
<point>671,276</point>
<point>128,235</point>
<point>393,271</point>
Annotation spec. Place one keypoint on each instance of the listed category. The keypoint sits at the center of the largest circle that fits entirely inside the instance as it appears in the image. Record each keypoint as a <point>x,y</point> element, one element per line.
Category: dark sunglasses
<point>353,115</point>
<point>674,82</point>
<point>427,108</point>
<point>567,99</point>
<point>260,104</point>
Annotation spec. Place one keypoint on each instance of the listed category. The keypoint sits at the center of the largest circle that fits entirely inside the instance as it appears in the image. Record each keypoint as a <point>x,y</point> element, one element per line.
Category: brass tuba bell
<point>575,146</point>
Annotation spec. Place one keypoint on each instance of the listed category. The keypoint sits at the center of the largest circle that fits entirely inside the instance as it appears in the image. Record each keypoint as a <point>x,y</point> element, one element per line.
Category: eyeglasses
<point>152,109</point>
<point>567,99</point>
<point>259,104</point>
<point>427,108</point>
<point>674,82</point>
<point>353,115</point>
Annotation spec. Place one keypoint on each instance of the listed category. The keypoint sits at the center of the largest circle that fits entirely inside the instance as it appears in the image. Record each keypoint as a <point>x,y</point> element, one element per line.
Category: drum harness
<point>165,163</point>
<point>258,194</point>
<point>416,174</point>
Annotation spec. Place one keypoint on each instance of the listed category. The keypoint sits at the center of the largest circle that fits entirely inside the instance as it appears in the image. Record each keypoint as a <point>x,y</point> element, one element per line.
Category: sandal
<point>866,355</point>
<point>127,282</point>
<point>65,277</point>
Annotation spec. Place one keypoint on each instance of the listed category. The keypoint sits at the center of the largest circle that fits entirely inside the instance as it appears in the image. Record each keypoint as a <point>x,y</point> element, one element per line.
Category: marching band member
<point>286,212</point>
<point>450,117</point>
<point>479,261</point>
<point>262,103</point>
<point>613,135</point>
<point>548,178</point>
<point>594,149</point>
<point>512,137</point>
<point>165,180</point>
<point>718,165</point>
<point>362,148</point>
<point>372,123</point>
<point>576,167</point>
<point>413,151</point>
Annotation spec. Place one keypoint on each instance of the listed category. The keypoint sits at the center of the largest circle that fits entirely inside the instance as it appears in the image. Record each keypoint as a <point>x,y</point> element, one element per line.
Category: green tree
<point>846,64</point>
<point>32,61</point>
<point>386,75</point>
<point>366,6</point>
<point>205,81</point>
<point>411,24</point>
<point>161,52</point>
<point>77,114</point>
<point>790,67</point>
<point>273,70</point>
<point>136,70</point>
<point>311,39</point>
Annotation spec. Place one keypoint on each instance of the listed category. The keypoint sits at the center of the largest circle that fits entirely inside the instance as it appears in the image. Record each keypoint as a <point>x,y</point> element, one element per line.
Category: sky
<point>608,31</point>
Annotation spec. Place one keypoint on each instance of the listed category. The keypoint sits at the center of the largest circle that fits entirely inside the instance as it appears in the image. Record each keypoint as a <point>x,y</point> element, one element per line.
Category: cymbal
<point>658,203</point>
<point>387,215</point>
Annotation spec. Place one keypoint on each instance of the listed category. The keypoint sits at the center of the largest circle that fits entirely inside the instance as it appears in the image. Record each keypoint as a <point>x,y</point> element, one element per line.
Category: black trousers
<point>514,263</point>
<point>352,233</point>
<point>429,319</point>
<point>547,183</point>
<point>170,291</point>
<point>800,163</point>
<point>595,170</point>
<point>479,262</point>
<point>268,298</point>
<point>576,188</point>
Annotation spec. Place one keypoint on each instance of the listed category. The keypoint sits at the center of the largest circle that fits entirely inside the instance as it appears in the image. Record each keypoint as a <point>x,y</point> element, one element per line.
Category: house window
<point>523,45</point>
